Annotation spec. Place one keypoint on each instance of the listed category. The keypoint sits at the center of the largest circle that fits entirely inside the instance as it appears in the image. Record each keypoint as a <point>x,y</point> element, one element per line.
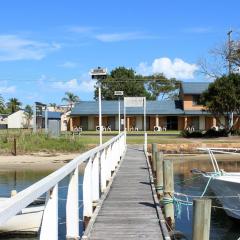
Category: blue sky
<point>48,47</point>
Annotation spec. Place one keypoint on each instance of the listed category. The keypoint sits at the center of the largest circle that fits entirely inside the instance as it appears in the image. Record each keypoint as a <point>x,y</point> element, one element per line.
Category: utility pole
<point>230,68</point>
<point>99,74</point>
<point>229,51</point>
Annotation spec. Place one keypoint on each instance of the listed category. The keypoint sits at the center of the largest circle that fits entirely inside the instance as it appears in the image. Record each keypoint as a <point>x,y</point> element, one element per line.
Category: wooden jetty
<point>130,209</point>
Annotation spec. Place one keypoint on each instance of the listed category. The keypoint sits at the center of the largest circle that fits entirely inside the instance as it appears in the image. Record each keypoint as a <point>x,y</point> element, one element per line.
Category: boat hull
<point>28,221</point>
<point>227,191</point>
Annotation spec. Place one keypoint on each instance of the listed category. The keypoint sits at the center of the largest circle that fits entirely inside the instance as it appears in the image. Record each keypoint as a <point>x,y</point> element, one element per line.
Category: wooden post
<point>159,175</point>
<point>168,191</point>
<point>14,152</point>
<point>201,218</point>
<point>154,150</point>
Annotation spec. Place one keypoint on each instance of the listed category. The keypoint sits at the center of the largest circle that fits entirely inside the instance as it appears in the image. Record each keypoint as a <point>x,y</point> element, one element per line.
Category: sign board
<point>118,93</point>
<point>134,101</point>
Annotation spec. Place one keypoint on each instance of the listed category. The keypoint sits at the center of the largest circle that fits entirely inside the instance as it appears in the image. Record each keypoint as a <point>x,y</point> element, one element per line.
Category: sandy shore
<point>38,161</point>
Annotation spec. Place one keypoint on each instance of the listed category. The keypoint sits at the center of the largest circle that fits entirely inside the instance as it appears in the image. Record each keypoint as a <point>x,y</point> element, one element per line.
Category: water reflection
<point>20,180</point>
<point>222,227</point>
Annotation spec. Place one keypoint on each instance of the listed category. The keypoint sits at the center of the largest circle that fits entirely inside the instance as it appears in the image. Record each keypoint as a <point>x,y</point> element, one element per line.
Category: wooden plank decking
<point>129,210</point>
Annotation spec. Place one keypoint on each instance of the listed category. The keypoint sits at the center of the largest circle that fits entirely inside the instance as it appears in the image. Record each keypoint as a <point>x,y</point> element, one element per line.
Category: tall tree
<point>70,98</point>
<point>13,104</point>
<point>159,85</point>
<point>2,104</point>
<point>222,59</point>
<point>222,98</point>
<point>123,79</point>
<point>28,112</point>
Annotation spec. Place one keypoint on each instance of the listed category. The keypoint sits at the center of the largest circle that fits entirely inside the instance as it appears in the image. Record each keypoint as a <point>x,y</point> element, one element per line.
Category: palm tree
<point>28,112</point>
<point>2,105</point>
<point>70,98</point>
<point>14,104</point>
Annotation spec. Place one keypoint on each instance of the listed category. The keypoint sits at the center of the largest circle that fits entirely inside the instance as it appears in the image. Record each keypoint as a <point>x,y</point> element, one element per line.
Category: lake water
<point>222,227</point>
<point>21,179</point>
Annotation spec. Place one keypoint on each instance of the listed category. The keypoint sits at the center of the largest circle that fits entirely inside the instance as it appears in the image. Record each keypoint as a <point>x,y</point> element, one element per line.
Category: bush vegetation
<point>211,133</point>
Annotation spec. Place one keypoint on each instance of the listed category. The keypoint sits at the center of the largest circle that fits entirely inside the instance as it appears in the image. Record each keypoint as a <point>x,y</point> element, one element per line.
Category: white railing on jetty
<point>100,162</point>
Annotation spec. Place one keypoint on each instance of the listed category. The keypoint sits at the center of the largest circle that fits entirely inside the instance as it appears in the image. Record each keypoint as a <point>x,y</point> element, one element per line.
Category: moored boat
<point>225,185</point>
<point>28,221</point>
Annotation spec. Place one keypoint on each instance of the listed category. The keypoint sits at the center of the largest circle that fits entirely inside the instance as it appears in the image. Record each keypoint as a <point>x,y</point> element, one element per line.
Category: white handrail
<point>14,205</point>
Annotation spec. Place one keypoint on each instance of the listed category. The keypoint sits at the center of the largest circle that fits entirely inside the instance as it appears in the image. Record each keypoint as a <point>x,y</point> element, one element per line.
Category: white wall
<point>64,121</point>
<point>18,120</point>
<point>139,122</point>
<point>90,123</point>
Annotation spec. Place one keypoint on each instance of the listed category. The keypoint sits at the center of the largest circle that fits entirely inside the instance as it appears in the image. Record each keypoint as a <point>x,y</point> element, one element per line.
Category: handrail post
<point>87,193</point>
<point>49,228</point>
<point>72,212</point>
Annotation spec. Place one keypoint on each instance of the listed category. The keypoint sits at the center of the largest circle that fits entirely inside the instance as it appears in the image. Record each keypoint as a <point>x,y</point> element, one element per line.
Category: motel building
<point>185,113</point>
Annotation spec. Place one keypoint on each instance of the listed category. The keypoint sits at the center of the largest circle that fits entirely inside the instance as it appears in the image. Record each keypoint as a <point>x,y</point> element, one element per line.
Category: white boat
<point>28,221</point>
<point>225,185</point>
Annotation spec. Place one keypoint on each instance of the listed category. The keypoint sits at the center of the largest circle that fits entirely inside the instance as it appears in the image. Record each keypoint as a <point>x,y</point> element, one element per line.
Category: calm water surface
<point>21,179</point>
<point>222,227</point>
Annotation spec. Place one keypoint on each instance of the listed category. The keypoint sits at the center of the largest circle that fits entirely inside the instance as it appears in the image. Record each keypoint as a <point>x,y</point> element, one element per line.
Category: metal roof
<point>196,112</point>
<point>52,115</point>
<point>166,107</point>
<point>194,87</point>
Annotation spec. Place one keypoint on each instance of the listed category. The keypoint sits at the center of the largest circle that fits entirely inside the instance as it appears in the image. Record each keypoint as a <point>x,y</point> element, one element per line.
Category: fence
<point>100,162</point>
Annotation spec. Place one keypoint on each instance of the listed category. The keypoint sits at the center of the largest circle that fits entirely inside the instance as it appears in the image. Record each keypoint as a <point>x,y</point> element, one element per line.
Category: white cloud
<point>171,69</point>
<point>14,48</point>
<point>5,89</point>
<point>116,37</point>
<point>68,64</point>
<point>75,85</point>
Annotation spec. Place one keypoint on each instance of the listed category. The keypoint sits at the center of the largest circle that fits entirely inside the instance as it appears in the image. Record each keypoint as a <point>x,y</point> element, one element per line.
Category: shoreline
<point>35,162</point>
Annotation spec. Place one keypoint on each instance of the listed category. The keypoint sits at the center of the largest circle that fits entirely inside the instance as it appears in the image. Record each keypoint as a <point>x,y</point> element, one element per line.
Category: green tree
<point>70,98</point>
<point>222,98</point>
<point>123,79</point>
<point>53,105</point>
<point>160,85</point>
<point>2,104</point>
<point>28,112</point>
<point>13,104</point>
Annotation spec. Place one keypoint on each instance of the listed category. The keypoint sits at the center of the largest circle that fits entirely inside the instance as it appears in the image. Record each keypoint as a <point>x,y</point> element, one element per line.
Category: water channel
<point>222,227</point>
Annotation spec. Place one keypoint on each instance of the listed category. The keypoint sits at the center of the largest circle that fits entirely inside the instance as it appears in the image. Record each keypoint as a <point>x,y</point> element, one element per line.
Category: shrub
<point>213,133</point>
<point>188,134</point>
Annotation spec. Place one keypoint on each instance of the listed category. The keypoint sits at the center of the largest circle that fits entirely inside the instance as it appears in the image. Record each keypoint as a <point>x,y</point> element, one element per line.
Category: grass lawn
<point>173,132</point>
<point>27,142</point>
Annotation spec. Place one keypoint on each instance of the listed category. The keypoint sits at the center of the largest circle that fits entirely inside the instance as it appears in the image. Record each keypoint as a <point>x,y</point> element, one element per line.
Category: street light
<point>99,74</point>
<point>119,93</point>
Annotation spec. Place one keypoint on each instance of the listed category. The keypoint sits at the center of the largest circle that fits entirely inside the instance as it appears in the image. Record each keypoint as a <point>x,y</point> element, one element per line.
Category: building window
<point>196,100</point>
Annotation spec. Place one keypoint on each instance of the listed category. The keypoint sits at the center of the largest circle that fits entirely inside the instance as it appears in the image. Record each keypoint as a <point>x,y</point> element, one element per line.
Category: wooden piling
<point>14,152</point>
<point>159,174</point>
<point>168,191</point>
<point>201,219</point>
<point>154,150</point>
